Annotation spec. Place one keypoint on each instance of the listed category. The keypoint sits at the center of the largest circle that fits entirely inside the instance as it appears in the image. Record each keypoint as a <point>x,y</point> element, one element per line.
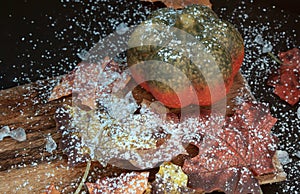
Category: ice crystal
<point>122,28</point>
<point>83,54</point>
<point>18,134</point>
<point>50,144</point>
<point>4,132</point>
<point>267,47</point>
<point>297,154</point>
<point>283,157</point>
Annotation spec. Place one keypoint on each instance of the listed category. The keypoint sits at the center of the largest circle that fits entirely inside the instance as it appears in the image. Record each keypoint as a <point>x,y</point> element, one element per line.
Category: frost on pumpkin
<point>170,179</point>
<point>286,81</point>
<point>177,4</point>
<point>134,182</point>
<point>240,151</point>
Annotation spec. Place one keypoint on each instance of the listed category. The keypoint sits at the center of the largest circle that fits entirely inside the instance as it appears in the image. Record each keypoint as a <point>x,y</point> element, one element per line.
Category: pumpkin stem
<point>87,169</point>
<point>275,58</point>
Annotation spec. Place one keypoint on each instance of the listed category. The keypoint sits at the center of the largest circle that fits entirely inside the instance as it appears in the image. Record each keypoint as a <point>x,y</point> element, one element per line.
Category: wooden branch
<point>35,179</point>
<point>27,107</point>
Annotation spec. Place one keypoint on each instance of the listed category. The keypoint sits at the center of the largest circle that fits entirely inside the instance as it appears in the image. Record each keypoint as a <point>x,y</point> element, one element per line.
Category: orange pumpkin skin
<point>221,40</point>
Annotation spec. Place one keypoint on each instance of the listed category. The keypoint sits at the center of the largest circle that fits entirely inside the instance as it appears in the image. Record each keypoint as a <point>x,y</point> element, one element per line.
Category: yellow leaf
<point>171,180</point>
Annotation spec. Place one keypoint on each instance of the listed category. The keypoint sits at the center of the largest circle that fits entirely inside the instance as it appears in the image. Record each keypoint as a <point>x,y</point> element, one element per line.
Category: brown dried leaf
<point>230,160</point>
<point>177,4</point>
<point>134,182</point>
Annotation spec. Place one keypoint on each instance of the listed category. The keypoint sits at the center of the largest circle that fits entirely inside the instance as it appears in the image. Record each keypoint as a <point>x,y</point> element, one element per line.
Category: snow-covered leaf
<point>237,153</point>
<point>96,135</point>
<point>170,179</point>
<point>131,183</point>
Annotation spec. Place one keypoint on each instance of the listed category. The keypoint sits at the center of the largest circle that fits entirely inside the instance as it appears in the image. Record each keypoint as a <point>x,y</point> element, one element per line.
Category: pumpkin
<point>185,56</point>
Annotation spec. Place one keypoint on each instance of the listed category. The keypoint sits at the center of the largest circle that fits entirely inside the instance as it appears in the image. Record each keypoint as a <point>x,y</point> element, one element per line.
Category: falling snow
<point>266,33</point>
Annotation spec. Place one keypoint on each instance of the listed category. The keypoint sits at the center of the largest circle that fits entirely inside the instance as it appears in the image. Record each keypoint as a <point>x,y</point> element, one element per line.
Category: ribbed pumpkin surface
<point>185,56</point>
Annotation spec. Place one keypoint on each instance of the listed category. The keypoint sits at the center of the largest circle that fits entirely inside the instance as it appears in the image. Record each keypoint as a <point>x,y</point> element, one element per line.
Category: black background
<point>44,21</point>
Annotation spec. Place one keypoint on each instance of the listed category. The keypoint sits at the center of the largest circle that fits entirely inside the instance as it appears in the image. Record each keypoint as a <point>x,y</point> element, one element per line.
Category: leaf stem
<point>87,169</point>
<point>274,57</point>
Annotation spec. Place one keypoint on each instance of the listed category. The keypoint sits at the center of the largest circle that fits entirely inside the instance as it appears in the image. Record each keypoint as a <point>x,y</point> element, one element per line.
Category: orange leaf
<point>177,4</point>
<point>52,190</point>
<point>134,182</point>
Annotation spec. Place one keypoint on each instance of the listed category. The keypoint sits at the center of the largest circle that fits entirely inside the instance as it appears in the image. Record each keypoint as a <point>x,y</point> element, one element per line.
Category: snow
<point>266,45</point>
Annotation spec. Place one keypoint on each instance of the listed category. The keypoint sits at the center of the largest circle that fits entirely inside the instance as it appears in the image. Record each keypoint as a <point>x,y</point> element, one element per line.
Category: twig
<point>274,57</point>
<point>87,169</point>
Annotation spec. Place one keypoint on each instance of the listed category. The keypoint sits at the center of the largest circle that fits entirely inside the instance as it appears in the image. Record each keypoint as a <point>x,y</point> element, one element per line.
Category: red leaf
<point>231,159</point>
<point>287,80</point>
<point>133,182</point>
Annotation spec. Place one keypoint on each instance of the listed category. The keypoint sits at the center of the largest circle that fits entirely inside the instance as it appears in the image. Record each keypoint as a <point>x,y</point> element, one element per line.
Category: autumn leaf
<point>134,183</point>
<point>170,179</point>
<point>64,88</point>
<point>177,4</point>
<point>286,81</point>
<point>111,131</point>
<point>84,81</point>
<point>230,159</point>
